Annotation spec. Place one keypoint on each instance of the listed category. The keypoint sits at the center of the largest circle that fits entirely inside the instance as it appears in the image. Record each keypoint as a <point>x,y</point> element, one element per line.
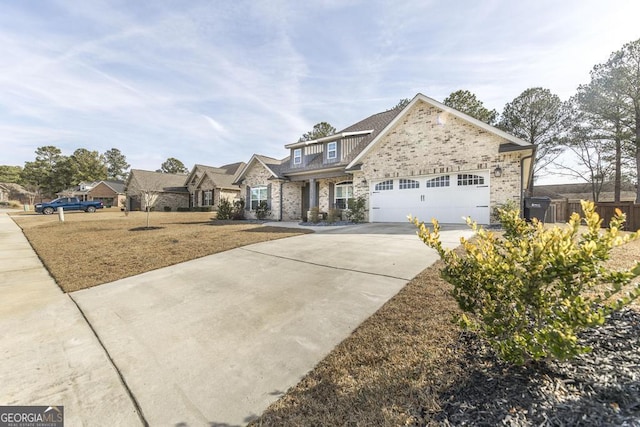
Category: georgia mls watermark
<point>31,416</point>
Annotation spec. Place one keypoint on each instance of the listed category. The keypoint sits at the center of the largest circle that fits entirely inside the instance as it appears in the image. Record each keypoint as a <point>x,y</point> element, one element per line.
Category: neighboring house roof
<point>583,191</point>
<point>223,177</point>
<point>13,188</point>
<point>116,186</point>
<point>511,141</point>
<point>156,181</point>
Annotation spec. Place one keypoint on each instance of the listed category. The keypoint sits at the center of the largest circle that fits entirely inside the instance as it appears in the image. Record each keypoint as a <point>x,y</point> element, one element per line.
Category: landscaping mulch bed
<point>601,388</point>
<point>409,365</point>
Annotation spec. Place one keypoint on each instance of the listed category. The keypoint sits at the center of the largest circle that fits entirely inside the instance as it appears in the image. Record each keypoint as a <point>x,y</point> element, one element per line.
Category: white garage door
<point>448,198</point>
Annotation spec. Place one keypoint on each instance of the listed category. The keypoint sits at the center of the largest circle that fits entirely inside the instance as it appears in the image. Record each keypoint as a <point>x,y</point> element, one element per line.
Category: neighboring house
<point>110,193</point>
<point>565,198</point>
<point>11,192</point>
<point>207,185</point>
<point>426,159</point>
<point>156,190</point>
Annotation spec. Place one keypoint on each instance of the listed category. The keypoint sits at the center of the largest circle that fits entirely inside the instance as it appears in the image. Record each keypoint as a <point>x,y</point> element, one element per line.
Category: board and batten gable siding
<point>429,142</point>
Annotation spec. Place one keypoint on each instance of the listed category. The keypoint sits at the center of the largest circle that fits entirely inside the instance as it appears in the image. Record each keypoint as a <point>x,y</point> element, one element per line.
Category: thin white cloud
<point>216,83</point>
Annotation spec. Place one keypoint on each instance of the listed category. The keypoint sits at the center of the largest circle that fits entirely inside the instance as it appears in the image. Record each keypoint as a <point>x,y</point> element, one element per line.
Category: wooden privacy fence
<point>607,209</point>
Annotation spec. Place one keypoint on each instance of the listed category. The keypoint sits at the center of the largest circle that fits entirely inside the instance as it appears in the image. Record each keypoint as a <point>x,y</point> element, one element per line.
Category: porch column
<point>313,197</point>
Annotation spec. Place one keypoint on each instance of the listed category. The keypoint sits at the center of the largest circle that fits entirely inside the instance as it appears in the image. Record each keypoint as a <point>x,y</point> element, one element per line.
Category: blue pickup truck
<point>68,204</point>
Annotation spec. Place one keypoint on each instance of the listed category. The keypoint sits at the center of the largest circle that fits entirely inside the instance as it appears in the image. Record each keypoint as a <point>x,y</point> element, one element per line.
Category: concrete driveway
<point>215,340</point>
<point>212,341</point>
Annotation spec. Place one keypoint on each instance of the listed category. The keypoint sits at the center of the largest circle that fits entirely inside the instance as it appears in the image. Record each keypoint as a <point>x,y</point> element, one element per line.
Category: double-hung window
<point>258,194</point>
<point>332,150</point>
<point>297,156</point>
<point>343,193</point>
<point>208,198</point>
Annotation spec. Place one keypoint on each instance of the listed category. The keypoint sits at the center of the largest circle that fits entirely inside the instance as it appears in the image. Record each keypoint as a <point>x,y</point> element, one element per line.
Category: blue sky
<point>213,82</point>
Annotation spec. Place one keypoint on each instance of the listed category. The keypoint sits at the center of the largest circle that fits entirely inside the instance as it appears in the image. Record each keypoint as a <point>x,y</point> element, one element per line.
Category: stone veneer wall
<point>428,141</point>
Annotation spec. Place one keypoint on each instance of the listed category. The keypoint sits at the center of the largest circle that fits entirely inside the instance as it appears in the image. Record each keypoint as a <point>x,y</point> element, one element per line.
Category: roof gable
<point>400,113</point>
<point>269,163</point>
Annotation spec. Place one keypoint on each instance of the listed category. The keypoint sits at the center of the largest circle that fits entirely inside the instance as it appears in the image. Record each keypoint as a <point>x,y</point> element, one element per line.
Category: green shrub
<point>333,215</point>
<point>532,290</point>
<point>314,215</point>
<point>225,209</point>
<point>167,208</point>
<point>204,209</point>
<point>182,209</point>
<point>357,208</point>
<point>238,209</point>
<point>262,211</point>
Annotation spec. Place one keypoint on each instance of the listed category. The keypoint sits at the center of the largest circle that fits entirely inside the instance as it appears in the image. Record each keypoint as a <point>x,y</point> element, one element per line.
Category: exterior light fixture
<point>497,172</point>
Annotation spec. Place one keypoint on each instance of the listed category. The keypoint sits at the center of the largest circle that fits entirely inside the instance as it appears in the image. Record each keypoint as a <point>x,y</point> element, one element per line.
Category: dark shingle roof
<point>375,123</point>
<point>158,181</point>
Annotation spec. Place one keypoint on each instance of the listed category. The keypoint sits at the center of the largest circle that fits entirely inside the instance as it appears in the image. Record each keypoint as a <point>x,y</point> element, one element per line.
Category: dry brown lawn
<point>90,249</point>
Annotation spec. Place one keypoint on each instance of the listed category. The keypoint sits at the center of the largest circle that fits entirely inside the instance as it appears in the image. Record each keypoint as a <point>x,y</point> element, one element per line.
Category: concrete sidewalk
<point>211,341</point>
<point>48,353</point>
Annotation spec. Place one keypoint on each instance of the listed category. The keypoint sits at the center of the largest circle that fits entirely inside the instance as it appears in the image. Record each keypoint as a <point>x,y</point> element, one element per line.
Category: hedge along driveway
<point>223,336</point>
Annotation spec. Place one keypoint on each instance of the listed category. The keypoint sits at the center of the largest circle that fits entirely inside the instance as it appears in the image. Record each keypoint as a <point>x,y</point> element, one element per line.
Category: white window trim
<point>258,199</point>
<point>297,156</point>
<point>346,185</point>
<point>334,150</point>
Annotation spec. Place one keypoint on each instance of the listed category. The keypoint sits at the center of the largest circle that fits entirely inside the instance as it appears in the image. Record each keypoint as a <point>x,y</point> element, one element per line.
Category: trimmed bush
<point>357,209</point>
<point>333,215</point>
<point>314,215</point>
<point>263,211</point>
<point>238,209</point>
<point>182,209</point>
<point>225,209</point>
<point>167,208</point>
<point>530,292</point>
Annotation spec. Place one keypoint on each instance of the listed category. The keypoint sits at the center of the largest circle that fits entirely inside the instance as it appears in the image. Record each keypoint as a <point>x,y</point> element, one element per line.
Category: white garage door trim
<point>449,198</point>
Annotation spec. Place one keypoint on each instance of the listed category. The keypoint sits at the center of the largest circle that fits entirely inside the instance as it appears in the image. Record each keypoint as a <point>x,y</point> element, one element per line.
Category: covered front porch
<point>329,194</point>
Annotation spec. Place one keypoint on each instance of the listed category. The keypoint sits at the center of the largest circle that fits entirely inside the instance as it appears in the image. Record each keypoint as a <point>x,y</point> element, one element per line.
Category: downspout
<point>281,185</point>
<point>530,181</point>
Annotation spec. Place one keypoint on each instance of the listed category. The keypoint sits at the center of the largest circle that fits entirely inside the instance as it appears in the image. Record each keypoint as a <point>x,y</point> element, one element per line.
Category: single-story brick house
<point>11,192</point>
<point>207,185</point>
<point>110,193</point>
<point>425,159</point>
<point>156,190</point>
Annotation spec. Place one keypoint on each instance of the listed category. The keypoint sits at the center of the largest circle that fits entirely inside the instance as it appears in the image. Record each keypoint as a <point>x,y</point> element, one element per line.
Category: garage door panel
<point>450,204</point>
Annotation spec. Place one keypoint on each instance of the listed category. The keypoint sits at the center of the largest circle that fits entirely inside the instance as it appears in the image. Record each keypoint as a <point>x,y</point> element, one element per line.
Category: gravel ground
<point>601,388</point>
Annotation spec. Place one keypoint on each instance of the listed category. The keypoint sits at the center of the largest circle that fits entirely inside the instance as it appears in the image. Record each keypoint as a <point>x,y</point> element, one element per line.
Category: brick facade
<point>429,142</point>
<point>422,141</point>
<point>258,176</point>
